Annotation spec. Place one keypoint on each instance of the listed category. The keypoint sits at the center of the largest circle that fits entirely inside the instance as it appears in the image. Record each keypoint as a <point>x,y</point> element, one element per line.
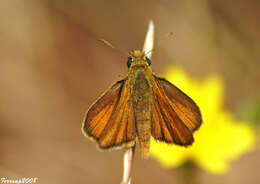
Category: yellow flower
<point>219,140</point>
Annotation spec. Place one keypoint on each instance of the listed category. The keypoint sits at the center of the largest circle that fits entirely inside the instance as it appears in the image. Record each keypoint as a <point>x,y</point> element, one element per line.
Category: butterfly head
<point>138,57</point>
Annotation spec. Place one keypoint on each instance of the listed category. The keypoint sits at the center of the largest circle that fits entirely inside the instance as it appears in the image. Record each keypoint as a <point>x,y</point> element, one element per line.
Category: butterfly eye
<point>148,60</point>
<point>129,61</point>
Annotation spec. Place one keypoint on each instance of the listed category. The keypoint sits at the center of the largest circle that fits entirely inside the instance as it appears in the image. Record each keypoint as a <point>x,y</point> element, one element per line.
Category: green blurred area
<point>52,68</point>
<point>250,112</point>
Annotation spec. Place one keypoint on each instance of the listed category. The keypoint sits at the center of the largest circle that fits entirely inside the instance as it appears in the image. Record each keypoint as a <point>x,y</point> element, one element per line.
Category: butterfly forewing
<point>159,128</point>
<point>184,106</point>
<point>110,120</point>
<point>168,125</point>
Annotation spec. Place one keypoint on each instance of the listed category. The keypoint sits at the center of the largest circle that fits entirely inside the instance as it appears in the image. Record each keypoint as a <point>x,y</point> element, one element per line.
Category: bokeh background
<point>52,68</point>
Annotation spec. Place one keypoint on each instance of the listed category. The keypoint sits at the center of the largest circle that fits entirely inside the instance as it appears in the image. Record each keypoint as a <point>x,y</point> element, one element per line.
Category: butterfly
<point>139,106</point>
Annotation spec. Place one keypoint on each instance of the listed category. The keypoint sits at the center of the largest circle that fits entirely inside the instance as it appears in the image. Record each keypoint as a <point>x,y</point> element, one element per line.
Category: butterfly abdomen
<point>142,95</point>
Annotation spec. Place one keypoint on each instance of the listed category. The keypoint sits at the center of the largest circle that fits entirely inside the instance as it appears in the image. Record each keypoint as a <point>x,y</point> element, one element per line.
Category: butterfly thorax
<point>140,76</point>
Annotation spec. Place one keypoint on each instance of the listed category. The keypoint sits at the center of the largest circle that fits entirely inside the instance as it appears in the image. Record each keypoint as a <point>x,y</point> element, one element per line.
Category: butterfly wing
<point>184,106</point>
<point>175,116</point>
<point>110,120</point>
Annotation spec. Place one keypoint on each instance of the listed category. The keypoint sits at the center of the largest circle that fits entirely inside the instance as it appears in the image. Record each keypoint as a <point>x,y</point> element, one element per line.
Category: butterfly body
<point>139,106</point>
<point>140,79</point>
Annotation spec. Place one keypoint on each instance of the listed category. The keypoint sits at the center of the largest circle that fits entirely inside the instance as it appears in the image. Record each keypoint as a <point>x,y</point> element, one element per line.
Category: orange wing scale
<point>175,116</point>
<point>110,121</point>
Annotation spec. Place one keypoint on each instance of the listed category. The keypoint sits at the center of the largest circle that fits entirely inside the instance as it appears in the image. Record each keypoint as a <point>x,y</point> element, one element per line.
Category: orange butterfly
<point>139,106</point>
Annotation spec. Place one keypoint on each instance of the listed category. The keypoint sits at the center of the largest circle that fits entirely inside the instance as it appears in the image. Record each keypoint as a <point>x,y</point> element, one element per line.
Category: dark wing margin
<point>110,120</point>
<point>171,121</point>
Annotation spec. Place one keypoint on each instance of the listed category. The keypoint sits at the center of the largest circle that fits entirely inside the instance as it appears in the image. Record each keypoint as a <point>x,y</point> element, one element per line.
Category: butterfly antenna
<point>165,36</point>
<point>107,43</point>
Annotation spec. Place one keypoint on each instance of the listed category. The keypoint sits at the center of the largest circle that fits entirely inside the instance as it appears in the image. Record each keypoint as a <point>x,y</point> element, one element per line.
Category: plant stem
<point>128,162</point>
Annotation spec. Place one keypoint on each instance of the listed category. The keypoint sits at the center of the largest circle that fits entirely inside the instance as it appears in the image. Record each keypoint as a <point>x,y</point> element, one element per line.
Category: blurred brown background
<point>52,68</point>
